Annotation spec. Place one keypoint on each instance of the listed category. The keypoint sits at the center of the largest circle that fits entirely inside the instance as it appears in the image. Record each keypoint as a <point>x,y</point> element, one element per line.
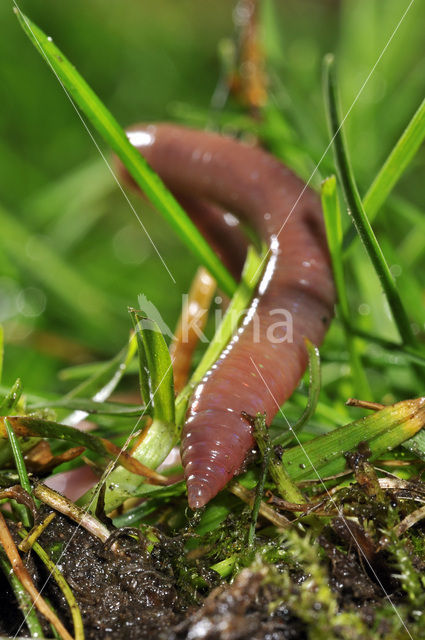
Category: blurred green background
<point>72,254</point>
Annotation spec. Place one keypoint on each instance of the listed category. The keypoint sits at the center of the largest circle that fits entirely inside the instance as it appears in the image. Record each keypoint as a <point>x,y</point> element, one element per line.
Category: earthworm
<point>221,229</point>
<point>266,358</point>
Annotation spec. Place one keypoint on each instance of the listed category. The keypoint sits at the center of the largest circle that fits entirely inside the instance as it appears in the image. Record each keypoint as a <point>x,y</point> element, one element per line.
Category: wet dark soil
<point>126,592</point>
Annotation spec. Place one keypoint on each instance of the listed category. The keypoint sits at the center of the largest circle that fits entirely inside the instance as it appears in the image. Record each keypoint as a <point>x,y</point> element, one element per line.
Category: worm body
<point>266,358</point>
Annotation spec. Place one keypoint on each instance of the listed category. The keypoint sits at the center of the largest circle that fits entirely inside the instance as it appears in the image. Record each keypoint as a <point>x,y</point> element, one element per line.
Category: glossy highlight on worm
<point>262,364</point>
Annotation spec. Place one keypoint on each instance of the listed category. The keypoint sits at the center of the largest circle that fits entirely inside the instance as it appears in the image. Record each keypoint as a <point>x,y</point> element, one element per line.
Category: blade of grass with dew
<point>96,410</point>
<point>333,223</point>
<point>46,266</point>
<point>334,414</point>
<point>22,597</point>
<point>355,207</point>
<point>115,136</point>
<point>383,430</point>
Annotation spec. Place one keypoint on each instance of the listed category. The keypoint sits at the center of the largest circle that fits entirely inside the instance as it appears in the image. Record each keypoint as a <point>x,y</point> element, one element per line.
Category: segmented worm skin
<point>222,231</point>
<point>263,363</point>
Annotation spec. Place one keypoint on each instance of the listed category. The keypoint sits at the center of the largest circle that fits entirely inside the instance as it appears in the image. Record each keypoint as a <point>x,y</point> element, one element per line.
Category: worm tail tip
<point>198,494</point>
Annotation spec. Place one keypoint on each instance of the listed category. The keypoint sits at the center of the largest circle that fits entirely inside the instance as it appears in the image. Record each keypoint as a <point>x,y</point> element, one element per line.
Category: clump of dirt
<point>122,591</point>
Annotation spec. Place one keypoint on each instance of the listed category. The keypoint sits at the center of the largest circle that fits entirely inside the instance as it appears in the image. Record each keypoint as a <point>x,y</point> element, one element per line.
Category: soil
<point>125,592</point>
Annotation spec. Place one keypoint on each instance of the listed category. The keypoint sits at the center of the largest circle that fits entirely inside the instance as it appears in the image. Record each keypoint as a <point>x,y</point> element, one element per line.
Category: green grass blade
<point>313,396</point>
<point>383,430</point>
<point>19,460</point>
<point>355,206</point>
<point>156,379</point>
<point>154,497</point>
<point>24,427</point>
<point>28,426</point>
<point>333,223</point>
<point>11,399</point>
<point>156,370</point>
<point>396,163</point>
<point>122,484</point>
<point>314,386</point>
<point>393,168</point>
<point>114,135</point>
<point>91,407</point>
<point>6,453</point>
<point>144,379</point>
<point>89,369</point>
<point>22,472</point>
<point>266,448</point>
<point>278,472</point>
